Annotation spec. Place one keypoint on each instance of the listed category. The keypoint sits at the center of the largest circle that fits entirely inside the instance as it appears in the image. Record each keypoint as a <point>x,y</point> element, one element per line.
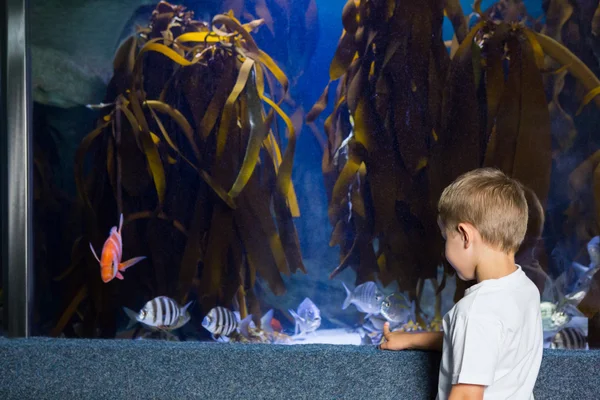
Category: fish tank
<point>267,171</point>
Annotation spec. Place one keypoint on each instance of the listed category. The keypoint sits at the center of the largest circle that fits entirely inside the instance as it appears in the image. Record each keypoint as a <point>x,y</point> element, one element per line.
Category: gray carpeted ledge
<point>134,369</point>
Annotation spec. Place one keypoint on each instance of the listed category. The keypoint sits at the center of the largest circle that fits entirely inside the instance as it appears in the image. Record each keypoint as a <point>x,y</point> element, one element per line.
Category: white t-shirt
<point>493,337</point>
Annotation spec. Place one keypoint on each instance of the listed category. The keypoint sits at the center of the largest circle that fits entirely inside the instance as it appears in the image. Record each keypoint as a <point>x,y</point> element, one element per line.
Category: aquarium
<point>267,171</point>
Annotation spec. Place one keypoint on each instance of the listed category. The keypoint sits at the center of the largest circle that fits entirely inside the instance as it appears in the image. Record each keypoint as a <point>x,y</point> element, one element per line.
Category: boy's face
<point>459,250</point>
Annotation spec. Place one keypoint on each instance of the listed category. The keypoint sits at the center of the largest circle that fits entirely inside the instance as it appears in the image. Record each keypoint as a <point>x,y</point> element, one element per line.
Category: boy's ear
<point>465,233</point>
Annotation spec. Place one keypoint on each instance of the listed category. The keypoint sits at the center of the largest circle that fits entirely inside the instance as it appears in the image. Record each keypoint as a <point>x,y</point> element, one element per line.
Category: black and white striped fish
<point>569,338</point>
<point>161,313</point>
<point>222,322</point>
<point>366,297</point>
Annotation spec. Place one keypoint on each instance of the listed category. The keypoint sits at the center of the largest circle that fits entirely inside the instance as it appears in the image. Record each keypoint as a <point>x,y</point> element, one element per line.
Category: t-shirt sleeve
<point>476,342</point>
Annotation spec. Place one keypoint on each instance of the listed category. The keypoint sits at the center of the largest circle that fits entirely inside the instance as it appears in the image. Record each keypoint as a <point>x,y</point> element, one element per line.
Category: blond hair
<point>492,202</point>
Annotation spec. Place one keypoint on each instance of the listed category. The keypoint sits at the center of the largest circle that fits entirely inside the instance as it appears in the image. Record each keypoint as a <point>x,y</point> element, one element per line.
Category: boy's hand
<point>395,340</point>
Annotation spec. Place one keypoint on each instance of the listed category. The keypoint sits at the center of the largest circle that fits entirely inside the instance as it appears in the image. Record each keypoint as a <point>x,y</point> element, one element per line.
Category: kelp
<point>290,34</point>
<point>380,136</point>
<point>185,150</point>
<point>572,29</point>
<point>414,119</point>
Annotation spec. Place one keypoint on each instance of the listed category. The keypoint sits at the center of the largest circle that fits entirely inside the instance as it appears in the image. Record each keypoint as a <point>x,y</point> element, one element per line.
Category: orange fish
<point>276,325</point>
<point>110,262</point>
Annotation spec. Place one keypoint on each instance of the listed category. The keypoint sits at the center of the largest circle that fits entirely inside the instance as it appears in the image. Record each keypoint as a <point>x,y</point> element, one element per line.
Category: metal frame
<point>17,177</point>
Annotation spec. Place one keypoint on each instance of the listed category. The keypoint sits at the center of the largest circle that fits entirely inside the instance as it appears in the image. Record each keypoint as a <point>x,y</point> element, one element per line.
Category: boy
<point>492,339</point>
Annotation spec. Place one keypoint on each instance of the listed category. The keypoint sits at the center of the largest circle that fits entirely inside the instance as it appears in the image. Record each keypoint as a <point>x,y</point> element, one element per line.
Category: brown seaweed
<point>189,112</point>
<point>291,30</point>
<point>416,119</point>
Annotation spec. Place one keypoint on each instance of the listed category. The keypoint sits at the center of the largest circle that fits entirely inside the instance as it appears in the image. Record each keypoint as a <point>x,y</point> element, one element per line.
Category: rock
<point>72,47</point>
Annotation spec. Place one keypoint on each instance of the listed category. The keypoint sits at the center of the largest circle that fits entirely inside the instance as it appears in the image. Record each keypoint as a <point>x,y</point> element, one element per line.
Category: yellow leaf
<point>181,121</point>
<point>275,152</point>
<point>234,25</point>
<point>200,37</point>
<point>284,177</point>
<point>268,62</point>
<point>576,67</point>
<point>422,163</point>
<point>228,109</point>
<point>537,49</point>
<point>258,133</point>
<point>477,7</point>
<point>260,80</point>
<point>250,26</point>
<point>152,156</point>
<point>361,130</point>
<point>155,138</point>
<point>343,56</point>
<point>588,97</point>
<point>166,51</point>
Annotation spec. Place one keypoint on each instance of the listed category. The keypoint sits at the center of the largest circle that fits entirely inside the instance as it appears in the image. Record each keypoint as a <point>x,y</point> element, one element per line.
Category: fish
<point>573,284</point>
<point>369,338</point>
<point>585,275</point>
<point>366,297</point>
<point>579,270</point>
<point>365,339</point>
<point>269,324</point>
<point>397,308</point>
<point>556,316</point>
<point>307,317</point>
<point>569,338</point>
<point>581,287</point>
<point>374,323</point>
<point>276,325</point>
<point>161,313</point>
<point>221,322</point>
<point>371,330</point>
<point>112,251</point>
<point>99,106</point>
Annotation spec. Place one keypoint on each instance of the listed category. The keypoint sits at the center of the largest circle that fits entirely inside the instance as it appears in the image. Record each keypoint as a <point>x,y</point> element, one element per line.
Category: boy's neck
<point>494,264</point>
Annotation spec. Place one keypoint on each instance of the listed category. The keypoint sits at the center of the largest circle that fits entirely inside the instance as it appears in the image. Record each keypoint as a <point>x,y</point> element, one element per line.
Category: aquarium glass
<point>268,171</point>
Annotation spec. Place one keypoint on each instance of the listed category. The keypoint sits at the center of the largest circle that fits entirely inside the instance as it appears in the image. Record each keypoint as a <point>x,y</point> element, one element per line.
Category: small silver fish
<point>222,322</point>
<point>307,317</point>
<point>374,323</point>
<point>579,276</point>
<point>99,106</point>
<point>396,308</point>
<point>569,338</point>
<point>160,313</point>
<point>366,297</point>
<point>265,322</point>
<point>582,286</point>
<point>365,338</point>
